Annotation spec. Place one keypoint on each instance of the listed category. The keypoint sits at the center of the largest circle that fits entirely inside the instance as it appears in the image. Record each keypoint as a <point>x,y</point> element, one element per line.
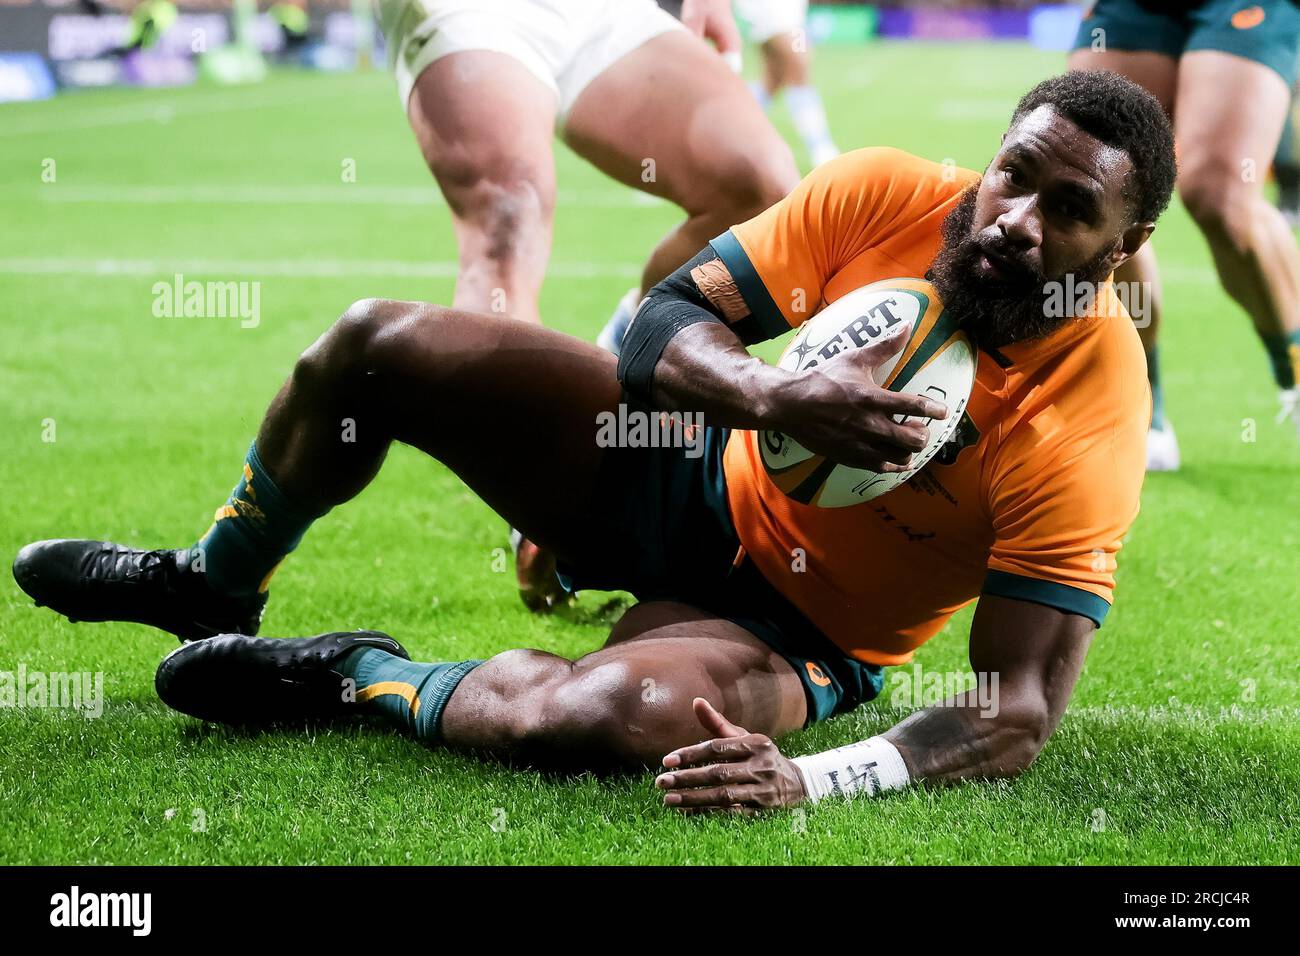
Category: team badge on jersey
<point>964,436</point>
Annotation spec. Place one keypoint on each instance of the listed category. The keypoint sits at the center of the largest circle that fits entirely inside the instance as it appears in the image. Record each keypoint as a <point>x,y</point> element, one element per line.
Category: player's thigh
<point>1157,73</point>
<point>512,408</point>
<point>671,118</point>
<point>669,653</point>
<point>1229,116</point>
<point>484,123</point>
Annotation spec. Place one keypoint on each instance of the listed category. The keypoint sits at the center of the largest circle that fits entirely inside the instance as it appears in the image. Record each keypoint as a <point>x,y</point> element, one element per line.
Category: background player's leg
<point>1224,152</point>
<point>509,406</point>
<point>673,100</point>
<point>787,67</point>
<point>1158,74</point>
<point>1286,164</point>
<point>484,123</point>
<point>1141,275</point>
<point>629,702</point>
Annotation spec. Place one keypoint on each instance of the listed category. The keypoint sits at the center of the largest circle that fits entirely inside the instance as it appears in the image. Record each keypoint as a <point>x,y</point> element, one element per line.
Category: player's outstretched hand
<point>713,20</point>
<point>837,410</point>
<point>736,772</point>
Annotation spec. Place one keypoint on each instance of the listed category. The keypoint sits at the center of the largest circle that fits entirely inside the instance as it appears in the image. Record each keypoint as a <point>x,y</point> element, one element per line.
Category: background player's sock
<point>805,105</point>
<point>1284,356</point>
<point>1157,392</point>
<point>251,533</point>
<point>1288,189</point>
<point>1286,167</point>
<point>410,693</point>
<point>760,93</point>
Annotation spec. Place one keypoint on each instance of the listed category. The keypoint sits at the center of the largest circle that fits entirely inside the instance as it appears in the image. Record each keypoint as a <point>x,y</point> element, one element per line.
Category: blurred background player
<point>779,27</point>
<point>146,26</point>
<point>1223,70</point>
<point>1286,164</point>
<point>487,83</point>
<point>294,21</point>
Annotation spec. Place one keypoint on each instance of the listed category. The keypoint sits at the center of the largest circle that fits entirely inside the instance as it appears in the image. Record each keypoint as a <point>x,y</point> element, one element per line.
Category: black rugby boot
<point>248,681</point>
<point>102,581</point>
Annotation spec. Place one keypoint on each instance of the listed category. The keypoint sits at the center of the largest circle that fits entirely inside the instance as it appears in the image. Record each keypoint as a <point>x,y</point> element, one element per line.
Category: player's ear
<point>1130,241</point>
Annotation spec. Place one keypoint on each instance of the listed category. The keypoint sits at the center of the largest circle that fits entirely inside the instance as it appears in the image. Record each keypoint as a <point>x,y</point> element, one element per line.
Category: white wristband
<point>869,766</point>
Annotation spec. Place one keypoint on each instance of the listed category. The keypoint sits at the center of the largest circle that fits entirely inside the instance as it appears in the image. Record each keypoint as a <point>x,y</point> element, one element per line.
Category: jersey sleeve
<point>1060,512</point>
<point>781,260</point>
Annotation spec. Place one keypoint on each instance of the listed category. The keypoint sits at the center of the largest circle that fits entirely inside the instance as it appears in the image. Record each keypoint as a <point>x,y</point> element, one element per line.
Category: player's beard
<point>998,312</point>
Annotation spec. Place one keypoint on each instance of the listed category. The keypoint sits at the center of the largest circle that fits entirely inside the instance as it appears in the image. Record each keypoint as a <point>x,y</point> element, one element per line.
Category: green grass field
<point>1181,744</point>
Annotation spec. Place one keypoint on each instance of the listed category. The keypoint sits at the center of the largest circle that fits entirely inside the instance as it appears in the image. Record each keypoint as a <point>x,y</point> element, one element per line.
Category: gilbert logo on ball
<point>938,361</point>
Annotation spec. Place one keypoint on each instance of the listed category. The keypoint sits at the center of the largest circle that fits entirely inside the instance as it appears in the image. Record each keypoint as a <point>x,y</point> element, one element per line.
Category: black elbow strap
<point>660,317</point>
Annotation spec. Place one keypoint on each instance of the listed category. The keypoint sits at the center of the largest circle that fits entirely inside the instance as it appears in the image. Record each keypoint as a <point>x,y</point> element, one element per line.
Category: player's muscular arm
<point>686,351</point>
<point>1036,653</point>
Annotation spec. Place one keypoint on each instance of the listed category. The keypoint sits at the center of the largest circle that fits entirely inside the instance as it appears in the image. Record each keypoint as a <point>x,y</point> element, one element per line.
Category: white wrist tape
<point>870,766</point>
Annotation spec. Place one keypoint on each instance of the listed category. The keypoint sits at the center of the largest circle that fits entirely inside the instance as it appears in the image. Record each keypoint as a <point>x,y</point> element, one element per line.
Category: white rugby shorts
<point>564,43</point>
<point>772,18</point>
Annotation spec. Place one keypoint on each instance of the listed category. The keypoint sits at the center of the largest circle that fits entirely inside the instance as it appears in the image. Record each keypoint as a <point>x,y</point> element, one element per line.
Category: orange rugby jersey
<point>1032,497</point>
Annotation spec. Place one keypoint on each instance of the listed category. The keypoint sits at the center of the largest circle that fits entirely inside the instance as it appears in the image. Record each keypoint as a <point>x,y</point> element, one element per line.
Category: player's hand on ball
<point>836,409</point>
<point>736,772</point>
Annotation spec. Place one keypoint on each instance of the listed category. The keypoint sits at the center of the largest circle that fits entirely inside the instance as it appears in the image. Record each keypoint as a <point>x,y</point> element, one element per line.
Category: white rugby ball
<point>938,361</point>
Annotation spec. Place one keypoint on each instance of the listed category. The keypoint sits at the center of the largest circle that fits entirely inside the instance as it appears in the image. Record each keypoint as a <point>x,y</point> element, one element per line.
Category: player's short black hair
<point>1121,114</point>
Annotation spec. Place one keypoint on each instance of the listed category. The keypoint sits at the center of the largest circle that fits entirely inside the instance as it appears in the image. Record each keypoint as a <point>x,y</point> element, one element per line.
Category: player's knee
<point>742,184</point>
<point>502,215</point>
<point>608,715</point>
<point>351,346</point>
<point>1220,203</point>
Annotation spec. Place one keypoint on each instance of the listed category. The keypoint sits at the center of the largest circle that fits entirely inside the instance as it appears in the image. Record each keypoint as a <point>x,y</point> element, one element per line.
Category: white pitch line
<point>1163,714</point>
<point>157,111</point>
<point>262,195</point>
<point>161,269</point>
<point>1188,716</point>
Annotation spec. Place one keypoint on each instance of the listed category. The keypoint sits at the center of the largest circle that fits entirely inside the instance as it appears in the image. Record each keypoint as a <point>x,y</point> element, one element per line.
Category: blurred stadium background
<point>51,45</point>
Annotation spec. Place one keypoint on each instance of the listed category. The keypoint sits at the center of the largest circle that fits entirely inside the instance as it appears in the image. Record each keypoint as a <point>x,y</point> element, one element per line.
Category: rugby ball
<point>938,361</point>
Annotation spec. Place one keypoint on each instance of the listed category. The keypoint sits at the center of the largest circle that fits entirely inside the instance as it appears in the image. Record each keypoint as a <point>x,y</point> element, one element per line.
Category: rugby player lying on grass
<point>733,642</point>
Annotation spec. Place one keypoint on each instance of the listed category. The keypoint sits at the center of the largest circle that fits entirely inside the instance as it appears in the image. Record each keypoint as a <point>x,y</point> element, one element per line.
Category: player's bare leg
<point>482,394</point>
<point>508,405</point>
<point>629,702</point>
<point>1141,276</point>
<point>671,119</point>
<point>1226,144</point>
<point>625,705</point>
<point>484,124</point>
<point>787,68</point>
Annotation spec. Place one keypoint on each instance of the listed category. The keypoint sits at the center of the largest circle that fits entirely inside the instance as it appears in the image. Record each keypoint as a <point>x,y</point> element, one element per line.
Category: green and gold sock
<point>251,533</point>
<point>410,693</point>
<point>1157,391</point>
<point>1284,357</point>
